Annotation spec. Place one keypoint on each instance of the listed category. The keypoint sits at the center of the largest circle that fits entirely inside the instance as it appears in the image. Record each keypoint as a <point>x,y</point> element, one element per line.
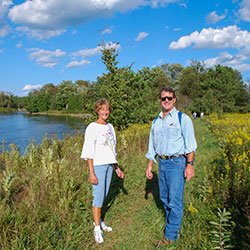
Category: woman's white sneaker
<point>98,236</point>
<point>105,227</point>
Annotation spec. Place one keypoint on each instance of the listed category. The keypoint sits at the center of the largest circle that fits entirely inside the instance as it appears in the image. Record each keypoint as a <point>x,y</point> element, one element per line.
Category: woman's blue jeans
<point>100,191</point>
<point>171,185</point>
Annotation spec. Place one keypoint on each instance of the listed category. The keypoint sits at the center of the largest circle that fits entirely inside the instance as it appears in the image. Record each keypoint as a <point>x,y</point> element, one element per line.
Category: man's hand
<point>189,172</point>
<point>149,172</point>
<point>119,173</point>
<point>93,179</point>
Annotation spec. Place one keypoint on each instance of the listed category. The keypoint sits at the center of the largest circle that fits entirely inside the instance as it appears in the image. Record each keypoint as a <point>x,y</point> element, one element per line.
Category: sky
<point>50,41</point>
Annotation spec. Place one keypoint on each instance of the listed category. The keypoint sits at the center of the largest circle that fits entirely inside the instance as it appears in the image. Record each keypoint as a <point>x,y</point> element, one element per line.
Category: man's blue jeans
<point>171,184</point>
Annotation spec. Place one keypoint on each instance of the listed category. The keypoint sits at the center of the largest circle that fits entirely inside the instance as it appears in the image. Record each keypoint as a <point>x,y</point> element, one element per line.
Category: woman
<point>99,150</point>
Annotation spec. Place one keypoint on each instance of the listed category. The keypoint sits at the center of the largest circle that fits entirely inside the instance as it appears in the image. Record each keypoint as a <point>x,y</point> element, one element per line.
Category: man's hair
<point>167,90</point>
<point>100,103</point>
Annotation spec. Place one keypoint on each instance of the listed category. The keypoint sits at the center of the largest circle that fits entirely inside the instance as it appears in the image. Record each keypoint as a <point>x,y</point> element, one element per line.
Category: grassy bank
<point>7,110</point>
<point>50,112</point>
<point>46,197</point>
<point>62,113</point>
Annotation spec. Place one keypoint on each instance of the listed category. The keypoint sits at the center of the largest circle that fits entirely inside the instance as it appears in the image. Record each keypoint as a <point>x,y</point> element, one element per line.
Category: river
<point>20,128</point>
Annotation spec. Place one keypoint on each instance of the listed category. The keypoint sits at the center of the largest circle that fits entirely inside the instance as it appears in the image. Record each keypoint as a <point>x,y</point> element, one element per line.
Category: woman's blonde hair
<point>100,103</point>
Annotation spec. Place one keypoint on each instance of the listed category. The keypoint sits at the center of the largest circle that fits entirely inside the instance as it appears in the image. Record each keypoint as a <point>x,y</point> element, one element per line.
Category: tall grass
<point>45,197</point>
<point>230,178</point>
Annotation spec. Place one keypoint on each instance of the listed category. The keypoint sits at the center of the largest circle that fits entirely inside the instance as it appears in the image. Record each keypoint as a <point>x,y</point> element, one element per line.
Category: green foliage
<point>218,89</point>
<point>64,91</point>
<point>9,101</point>
<point>229,176</point>
<point>133,96</point>
<point>227,88</point>
<point>222,232</point>
<point>66,96</point>
<point>174,73</point>
<point>75,103</point>
<point>191,81</point>
<point>7,181</point>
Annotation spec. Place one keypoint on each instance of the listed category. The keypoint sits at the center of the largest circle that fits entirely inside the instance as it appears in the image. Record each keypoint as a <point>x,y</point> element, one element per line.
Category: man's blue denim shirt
<point>168,138</point>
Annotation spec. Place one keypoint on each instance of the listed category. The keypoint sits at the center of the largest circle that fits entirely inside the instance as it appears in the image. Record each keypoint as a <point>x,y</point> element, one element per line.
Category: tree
<point>75,103</point>
<point>8,100</point>
<point>32,102</point>
<point>132,95</point>
<point>64,91</point>
<point>191,80</point>
<point>82,83</point>
<point>49,92</point>
<point>174,73</point>
<point>224,88</point>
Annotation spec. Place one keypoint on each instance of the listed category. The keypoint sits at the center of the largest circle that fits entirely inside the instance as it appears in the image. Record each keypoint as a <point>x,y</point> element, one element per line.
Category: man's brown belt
<point>165,157</point>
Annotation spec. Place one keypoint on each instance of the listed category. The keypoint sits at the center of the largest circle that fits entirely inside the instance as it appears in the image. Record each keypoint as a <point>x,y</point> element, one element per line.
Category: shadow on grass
<point>152,187</point>
<point>116,187</point>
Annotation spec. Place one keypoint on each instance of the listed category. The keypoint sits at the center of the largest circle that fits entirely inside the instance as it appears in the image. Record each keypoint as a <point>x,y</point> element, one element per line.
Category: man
<point>172,139</point>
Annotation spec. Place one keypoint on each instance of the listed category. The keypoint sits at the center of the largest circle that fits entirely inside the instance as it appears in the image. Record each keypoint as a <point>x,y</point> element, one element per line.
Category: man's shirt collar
<point>171,113</point>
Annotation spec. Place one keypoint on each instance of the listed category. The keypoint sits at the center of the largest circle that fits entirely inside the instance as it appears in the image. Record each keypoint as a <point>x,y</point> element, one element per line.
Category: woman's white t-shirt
<point>99,144</point>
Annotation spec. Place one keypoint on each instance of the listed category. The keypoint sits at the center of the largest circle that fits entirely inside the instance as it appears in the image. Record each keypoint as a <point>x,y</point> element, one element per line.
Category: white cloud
<point>141,36</point>
<point>214,18</point>
<point>244,11</point>
<point>19,45</point>
<point>44,19</point>
<point>95,51</point>
<point>4,27</point>
<point>4,6</point>
<point>156,3</point>
<point>77,63</point>
<point>1,51</point>
<point>61,14</point>
<point>242,67</point>
<point>46,58</point>
<point>38,33</point>
<point>226,38</point>
<point>57,14</point>
<point>177,29</point>
<point>225,58</point>
<point>111,45</point>
<point>107,30</point>
<point>210,38</point>
<point>4,30</point>
<point>86,53</point>
<point>32,87</point>
<point>160,61</point>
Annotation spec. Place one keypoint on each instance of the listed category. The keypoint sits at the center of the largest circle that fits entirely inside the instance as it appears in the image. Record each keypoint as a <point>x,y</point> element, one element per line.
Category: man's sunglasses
<point>170,98</point>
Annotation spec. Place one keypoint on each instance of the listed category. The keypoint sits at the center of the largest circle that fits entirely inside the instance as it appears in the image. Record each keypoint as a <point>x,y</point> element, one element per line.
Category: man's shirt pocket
<point>173,132</point>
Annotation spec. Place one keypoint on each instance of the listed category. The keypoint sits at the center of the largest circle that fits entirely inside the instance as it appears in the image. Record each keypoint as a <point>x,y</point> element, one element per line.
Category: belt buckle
<point>164,157</point>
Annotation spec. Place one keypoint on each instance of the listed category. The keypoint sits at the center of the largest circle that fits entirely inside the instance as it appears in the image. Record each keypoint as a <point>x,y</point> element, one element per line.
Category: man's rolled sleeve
<point>189,136</point>
<point>151,151</point>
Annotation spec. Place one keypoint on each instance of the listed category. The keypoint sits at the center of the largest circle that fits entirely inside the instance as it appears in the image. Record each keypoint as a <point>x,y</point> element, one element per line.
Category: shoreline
<point>53,113</point>
<point>60,114</point>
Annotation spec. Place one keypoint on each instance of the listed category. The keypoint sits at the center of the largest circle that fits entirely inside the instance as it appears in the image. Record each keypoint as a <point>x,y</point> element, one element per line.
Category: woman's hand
<point>119,173</point>
<point>93,179</point>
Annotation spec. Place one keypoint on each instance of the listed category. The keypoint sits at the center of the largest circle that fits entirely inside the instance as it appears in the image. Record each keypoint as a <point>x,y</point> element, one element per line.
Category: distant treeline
<point>134,95</point>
